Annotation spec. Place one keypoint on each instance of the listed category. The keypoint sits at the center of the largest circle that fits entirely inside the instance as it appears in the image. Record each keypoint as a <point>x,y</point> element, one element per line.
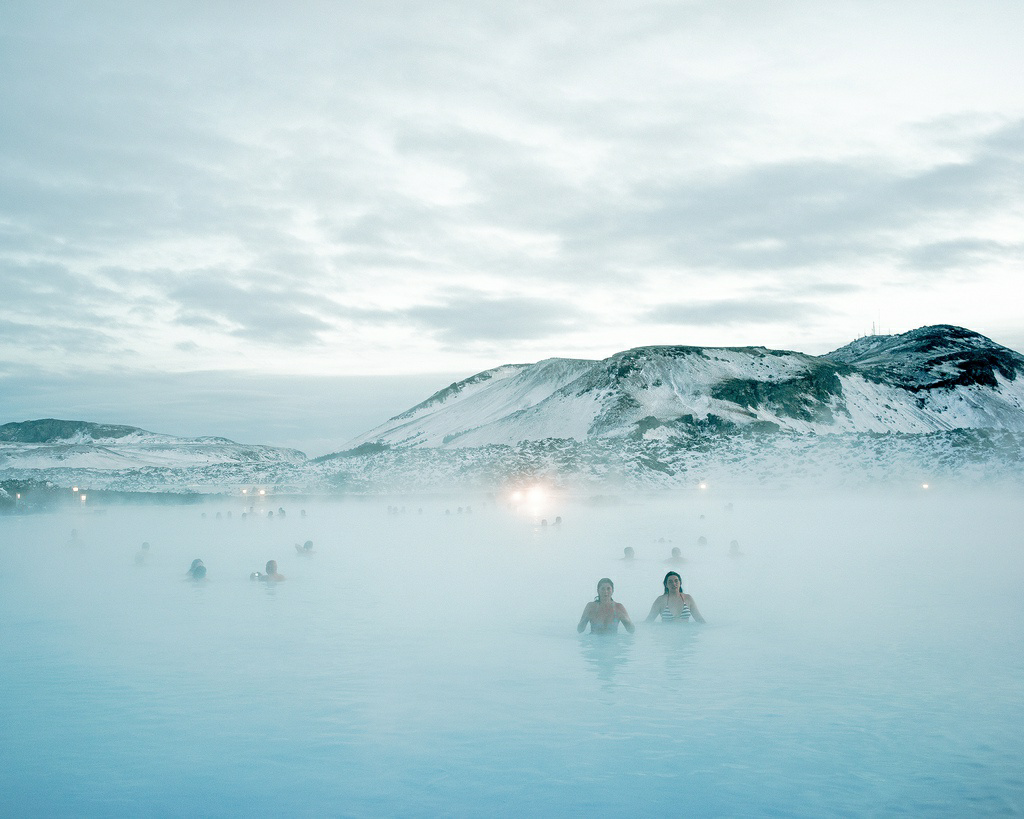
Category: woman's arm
<point>585,618</point>
<point>656,608</point>
<point>694,611</point>
<point>624,618</point>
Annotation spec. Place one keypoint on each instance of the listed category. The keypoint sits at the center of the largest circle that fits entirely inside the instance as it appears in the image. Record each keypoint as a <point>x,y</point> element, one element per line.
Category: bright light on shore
<point>702,485</point>
<point>536,494</point>
<point>924,486</point>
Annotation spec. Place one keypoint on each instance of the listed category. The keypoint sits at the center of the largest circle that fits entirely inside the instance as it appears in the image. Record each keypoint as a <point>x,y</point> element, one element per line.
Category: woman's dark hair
<point>665,581</point>
<point>600,582</point>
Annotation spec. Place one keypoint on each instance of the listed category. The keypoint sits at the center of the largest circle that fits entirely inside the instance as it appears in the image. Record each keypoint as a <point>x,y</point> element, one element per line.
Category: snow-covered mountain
<point>50,443</point>
<point>939,403</point>
<point>927,380</point>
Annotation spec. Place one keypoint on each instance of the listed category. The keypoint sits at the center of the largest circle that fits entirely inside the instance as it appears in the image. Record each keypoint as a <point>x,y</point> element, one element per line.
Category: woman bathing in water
<point>674,606</point>
<point>604,614</point>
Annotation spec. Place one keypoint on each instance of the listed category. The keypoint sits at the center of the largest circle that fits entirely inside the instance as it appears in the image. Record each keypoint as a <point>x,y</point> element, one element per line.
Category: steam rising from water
<point>862,654</point>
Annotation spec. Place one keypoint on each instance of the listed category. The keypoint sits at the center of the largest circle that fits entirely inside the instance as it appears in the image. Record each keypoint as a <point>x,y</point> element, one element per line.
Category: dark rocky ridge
<point>50,430</point>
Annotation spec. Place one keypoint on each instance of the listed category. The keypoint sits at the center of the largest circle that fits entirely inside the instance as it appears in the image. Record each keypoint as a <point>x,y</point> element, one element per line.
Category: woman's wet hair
<point>600,583</point>
<point>665,581</point>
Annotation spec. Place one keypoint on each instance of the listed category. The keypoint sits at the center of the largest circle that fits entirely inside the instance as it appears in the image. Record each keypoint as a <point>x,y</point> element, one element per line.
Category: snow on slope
<point>50,444</point>
<point>498,395</point>
<point>937,356</point>
<point>928,380</point>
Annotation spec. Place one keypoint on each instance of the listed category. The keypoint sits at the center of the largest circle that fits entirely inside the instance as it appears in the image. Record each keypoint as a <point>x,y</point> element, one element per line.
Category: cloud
<point>960,254</point>
<point>802,213</point>
<point>256,312</point>
<point>66,345</point>
<point>732,311</point>
<point>187,186</point>
<point>470,317</point>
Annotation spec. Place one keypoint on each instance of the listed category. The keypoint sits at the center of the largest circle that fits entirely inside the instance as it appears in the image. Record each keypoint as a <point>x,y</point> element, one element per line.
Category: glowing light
<point>924,486</point>
<point>263,491</point>
<point>536,494</point>
<point>245,491</point>
<point>517,495</point>
<point>83,497</point>
<point>74,488</point>
<point>703,485</point>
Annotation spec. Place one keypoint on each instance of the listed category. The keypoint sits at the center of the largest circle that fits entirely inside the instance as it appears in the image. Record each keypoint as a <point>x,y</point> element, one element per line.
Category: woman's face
<point>672,584</point>
<point>604,591</point>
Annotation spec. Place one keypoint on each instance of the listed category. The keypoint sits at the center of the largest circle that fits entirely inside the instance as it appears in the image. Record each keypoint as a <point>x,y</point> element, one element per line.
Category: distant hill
<point>50,430</point>
<point>932,379</point>
<point>50,443</point>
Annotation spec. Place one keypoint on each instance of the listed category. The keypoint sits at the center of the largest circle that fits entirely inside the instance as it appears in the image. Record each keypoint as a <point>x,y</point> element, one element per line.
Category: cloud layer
<point>402,187</point>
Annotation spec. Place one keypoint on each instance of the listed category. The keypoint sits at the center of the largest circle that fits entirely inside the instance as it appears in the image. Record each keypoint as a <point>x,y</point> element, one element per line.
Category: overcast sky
<point>222,203</point>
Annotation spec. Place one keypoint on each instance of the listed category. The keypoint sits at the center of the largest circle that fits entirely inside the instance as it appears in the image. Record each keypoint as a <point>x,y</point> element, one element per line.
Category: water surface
<point>862,656</point>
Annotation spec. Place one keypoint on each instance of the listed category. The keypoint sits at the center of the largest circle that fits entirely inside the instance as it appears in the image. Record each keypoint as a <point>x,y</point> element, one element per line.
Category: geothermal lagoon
<point>862,655</point>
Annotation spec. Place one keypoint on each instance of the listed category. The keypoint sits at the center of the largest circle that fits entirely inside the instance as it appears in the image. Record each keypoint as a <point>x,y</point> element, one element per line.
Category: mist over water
<point>862,655</point>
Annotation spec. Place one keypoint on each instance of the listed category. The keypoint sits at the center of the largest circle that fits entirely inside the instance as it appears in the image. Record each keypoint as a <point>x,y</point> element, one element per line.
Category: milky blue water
<point>864,656</point>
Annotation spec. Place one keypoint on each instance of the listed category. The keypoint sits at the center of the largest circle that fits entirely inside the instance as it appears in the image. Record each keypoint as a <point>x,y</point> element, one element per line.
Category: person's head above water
<point>676,552</point>
<point>628,553</point>
<point>673,583</point>
<point>605,588</point>
<point>271,567</point>
<point>195,563</point>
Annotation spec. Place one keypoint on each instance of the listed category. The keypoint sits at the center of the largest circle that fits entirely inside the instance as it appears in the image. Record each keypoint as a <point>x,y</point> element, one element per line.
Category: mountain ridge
<point>931,379</point>
<point>936,403</point>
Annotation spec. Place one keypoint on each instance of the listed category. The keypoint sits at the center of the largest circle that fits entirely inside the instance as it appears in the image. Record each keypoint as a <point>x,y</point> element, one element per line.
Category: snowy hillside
<point>54,444</point>
<point>735,458</point>
<point>938,404</point>
<point>928,380</point>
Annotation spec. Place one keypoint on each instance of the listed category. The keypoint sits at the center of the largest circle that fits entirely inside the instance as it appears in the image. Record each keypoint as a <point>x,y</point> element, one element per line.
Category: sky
<point>286,222</point>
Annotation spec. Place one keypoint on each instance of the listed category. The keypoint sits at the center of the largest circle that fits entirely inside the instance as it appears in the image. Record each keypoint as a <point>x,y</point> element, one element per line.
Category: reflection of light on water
<point>533,500</point>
